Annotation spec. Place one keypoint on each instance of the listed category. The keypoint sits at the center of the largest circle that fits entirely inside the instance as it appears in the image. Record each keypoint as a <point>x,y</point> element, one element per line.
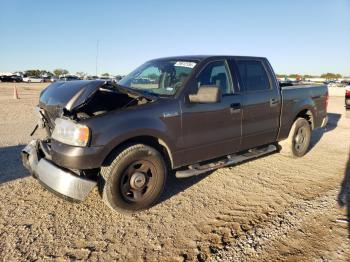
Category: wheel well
<point>154,142</point>
<point>306,114</point>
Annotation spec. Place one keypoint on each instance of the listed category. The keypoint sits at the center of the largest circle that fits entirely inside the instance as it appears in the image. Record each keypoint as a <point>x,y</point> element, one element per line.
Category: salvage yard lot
<point>266,209</point>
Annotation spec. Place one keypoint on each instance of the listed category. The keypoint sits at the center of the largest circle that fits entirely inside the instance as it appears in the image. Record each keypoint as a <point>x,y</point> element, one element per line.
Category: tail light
<point>347,92</point>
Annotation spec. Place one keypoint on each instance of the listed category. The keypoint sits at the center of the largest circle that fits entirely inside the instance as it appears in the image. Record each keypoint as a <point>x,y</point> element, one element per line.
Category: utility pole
<point>96,56</point>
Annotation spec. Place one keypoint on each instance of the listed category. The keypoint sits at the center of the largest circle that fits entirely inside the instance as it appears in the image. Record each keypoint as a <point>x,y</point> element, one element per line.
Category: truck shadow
<point>317,134</point>
<point>344,193</point>
<point>10,164</point>
<point>176,185</point>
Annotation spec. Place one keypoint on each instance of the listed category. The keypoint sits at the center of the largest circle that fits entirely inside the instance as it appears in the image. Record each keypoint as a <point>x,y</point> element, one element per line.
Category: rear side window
<point>253,75</point>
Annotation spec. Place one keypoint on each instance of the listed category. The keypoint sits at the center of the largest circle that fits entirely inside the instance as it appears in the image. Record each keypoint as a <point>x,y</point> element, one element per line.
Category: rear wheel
<point>135,178</point>
<point>298,141</point>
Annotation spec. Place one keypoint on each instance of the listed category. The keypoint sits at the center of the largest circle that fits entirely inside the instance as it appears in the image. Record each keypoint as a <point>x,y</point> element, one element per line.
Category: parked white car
<point>33,79</point>
<point>332,85</point>
<point>105,78</point>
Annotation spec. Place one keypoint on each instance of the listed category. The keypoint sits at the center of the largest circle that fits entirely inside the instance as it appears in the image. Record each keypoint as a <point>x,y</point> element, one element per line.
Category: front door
<point>212,129</point>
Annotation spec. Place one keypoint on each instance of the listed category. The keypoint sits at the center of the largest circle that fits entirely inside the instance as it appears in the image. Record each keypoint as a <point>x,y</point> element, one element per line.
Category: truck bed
<point>296,98</point>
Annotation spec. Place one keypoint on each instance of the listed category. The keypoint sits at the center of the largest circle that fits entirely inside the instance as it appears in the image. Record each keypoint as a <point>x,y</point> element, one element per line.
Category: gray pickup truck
<point>179,115</point>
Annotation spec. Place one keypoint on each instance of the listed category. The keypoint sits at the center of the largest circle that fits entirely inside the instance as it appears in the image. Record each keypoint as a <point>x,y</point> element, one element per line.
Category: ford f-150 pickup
<point>179,115</point>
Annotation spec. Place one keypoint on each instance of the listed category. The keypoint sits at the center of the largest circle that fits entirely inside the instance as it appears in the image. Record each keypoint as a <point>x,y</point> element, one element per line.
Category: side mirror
<point>206,94</point>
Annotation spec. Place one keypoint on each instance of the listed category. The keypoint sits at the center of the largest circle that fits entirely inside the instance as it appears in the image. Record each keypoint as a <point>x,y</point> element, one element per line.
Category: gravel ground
<point>272,208</point>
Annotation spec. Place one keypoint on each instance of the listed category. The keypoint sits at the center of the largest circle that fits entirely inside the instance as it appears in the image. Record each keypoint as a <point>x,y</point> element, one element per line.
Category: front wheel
<point>135,178</point>
<point>298,141</point>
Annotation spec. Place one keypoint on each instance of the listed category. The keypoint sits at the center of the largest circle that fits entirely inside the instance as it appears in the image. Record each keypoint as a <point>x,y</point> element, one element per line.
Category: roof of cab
<point>203,57</point>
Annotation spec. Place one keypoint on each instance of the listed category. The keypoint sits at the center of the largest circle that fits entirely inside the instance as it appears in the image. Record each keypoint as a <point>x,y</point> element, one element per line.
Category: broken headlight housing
<point>71,133</point>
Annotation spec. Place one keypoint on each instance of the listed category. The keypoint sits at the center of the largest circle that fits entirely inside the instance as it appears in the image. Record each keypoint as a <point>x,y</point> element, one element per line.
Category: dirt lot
<point>273,208</point>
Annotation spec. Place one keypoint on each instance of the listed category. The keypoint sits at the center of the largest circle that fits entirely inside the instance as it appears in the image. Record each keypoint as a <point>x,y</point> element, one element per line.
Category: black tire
<point>298,141</point>
<point>134,179</point>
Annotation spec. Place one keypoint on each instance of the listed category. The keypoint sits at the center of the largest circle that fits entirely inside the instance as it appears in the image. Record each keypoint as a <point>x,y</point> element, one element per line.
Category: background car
<point>33,79</point>
<point>110,79</point>
<point>13,78</point>
<point>285,83</point>
<point>53,79</point>
<point>68,78</point>
<point>105,78</point>
<point>91,77</point>
<point>118,78</point>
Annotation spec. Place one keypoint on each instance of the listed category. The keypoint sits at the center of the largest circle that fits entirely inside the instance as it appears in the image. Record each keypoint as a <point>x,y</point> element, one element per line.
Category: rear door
<point>211,130</point>
<point>260,102</point>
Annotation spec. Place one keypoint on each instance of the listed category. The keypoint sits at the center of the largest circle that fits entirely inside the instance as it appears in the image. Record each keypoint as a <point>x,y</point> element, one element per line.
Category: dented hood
<point>69,95</point>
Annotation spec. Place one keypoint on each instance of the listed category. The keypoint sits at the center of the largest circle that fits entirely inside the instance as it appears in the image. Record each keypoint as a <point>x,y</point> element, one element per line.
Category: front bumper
<point>61,181</point>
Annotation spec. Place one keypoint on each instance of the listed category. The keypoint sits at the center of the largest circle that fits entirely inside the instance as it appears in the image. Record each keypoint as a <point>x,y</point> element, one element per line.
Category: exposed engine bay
<point>105,100</point>
<point>78,100</point>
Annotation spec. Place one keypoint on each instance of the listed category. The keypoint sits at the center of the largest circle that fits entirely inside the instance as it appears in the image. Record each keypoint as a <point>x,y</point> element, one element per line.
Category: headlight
<point>70,133</point>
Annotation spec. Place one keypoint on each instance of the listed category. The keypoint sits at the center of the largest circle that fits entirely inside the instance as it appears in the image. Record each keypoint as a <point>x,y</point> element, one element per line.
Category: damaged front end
<point>65,161</point>
<point>84,99</point>
<point>63,182</point>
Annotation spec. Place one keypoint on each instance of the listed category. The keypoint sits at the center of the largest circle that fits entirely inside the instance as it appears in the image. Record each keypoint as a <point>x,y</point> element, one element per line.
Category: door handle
<point>235,107</point>
<point>274,102</point>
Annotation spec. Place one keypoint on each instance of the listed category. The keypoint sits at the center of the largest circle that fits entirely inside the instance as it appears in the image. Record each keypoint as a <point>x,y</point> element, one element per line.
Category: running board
<point>194,170</point>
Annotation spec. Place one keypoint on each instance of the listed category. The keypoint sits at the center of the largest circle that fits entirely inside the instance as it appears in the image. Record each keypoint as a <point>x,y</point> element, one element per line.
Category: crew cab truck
<point>179,115</point>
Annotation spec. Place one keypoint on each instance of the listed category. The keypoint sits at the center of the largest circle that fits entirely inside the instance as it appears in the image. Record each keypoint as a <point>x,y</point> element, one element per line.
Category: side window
<point>215,74</point>
<point>253,75</point>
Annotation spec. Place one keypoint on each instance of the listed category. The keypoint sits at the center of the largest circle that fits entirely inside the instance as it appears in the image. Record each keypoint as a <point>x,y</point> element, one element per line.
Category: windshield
<point>161,77</point>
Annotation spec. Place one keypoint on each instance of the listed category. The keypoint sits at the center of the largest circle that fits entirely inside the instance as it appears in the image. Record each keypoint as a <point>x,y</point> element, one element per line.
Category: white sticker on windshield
<point>185,64</point>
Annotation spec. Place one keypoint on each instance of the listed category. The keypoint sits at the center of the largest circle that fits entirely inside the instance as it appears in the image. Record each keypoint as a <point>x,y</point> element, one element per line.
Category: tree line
<point>325,75</point>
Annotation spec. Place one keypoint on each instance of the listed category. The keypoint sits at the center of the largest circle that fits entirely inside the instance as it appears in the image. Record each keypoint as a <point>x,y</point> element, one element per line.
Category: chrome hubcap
<point>137,180</point>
